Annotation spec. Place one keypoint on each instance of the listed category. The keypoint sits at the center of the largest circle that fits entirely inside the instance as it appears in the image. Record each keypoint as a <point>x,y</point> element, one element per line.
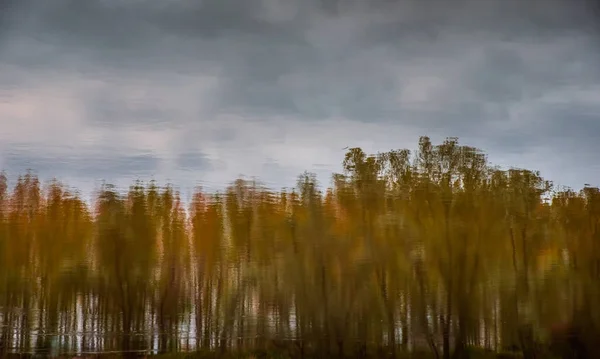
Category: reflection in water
<point>436,251</point>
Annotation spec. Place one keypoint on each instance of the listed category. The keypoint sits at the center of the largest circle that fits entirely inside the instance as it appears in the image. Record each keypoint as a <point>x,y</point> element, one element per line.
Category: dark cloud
<point>476,69</point>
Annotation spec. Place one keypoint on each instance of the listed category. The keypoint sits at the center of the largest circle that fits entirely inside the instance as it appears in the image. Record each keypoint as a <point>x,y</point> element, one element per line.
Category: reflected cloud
<point>291,82</point>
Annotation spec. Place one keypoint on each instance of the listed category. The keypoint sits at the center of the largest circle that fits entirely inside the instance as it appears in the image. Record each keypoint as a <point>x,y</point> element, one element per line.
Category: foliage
<point>431,251</point>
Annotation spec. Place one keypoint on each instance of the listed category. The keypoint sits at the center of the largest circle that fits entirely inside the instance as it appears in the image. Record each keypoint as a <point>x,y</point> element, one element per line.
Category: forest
<point>431,253</point>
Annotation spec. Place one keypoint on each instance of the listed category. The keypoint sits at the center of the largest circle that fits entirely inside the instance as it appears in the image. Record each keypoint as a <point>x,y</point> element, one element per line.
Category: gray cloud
<point>18,162</point>
<point>193,162</point>
<point>222,81</point>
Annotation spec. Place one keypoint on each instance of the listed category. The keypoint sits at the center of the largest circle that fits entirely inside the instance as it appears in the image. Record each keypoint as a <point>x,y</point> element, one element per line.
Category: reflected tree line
<point>433,250</point>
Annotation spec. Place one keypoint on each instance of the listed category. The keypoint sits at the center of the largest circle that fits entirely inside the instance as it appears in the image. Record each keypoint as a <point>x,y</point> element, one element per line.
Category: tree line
<point>430,250</point>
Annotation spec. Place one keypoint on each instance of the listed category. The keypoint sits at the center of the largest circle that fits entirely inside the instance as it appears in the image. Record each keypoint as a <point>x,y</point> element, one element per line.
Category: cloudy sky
<point>202,91</point>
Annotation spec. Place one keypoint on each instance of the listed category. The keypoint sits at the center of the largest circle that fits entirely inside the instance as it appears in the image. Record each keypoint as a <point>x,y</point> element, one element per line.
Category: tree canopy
<point>428,250</point>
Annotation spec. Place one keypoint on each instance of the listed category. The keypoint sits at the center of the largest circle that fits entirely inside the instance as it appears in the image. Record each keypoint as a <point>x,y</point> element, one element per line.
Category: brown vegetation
<point>436,251</point>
